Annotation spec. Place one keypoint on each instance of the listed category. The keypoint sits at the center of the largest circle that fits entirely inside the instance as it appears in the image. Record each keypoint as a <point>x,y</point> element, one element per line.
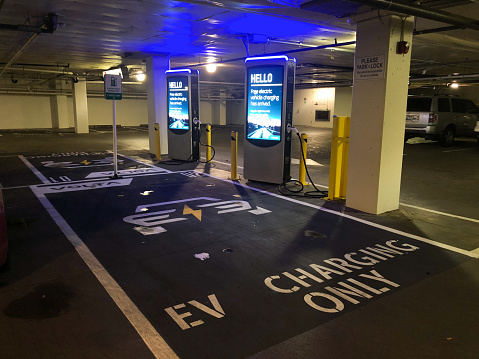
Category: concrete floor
<point>86,284</point>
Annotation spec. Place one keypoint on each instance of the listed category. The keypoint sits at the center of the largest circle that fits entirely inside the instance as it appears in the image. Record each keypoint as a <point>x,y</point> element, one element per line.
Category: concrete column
<point>58,105</point>
<point>378,114</point>
<point>219,112</point>
<point>80,106</point>
<point>157,105</point>
<point>59,109</point>
<point>222,112</point>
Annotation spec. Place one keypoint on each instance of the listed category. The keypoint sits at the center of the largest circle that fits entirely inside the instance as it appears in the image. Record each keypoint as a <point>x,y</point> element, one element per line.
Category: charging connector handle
<point>196,121</point>
<point>291,128</point>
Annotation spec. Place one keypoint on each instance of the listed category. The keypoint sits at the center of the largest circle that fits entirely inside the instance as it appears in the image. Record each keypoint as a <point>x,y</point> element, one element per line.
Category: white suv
<point>440,117</point>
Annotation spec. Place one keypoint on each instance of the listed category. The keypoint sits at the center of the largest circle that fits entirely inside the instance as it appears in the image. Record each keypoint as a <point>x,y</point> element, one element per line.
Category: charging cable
<point>203,144</point>
<point>180,162</point>
<point>317,193</point>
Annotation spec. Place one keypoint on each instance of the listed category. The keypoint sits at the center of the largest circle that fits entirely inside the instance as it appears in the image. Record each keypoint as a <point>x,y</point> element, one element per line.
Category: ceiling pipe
<point>41,71</point>
<point>452,77</point>
<point>9,91</point>
<point>437,29</point>
<point>419,11</point>
<point>18,64</point>
<point>336,44</point>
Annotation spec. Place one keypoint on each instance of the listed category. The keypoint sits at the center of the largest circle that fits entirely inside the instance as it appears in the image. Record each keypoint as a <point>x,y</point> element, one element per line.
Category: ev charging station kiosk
<point>183,114</point>
<point>269,111</point>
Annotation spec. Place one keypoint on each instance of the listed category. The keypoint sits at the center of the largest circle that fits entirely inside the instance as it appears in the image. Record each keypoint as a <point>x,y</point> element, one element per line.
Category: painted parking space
<point>75,166</point>
<point>222,270</point>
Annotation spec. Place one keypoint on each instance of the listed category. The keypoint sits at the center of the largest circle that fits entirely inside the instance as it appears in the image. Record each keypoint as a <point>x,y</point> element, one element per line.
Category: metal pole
<point>115,150</point>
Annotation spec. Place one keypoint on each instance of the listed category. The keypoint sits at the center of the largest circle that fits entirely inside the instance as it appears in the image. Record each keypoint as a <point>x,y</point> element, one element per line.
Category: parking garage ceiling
<point>46,40</point>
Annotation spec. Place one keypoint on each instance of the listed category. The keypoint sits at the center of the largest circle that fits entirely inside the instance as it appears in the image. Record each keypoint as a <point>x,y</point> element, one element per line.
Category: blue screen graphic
<point>265,102</point>
<point>178,109</point>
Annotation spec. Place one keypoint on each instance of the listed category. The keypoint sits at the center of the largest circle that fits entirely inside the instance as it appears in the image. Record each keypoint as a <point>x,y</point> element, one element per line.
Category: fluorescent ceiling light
<point>211,68</point>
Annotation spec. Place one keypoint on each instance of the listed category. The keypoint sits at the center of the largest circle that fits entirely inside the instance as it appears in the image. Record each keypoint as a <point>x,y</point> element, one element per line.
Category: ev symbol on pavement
<point>151,222</point>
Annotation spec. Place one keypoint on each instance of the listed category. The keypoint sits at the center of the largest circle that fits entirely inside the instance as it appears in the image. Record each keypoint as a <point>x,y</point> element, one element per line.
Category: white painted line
<point>462,149</point>
<point>309,162</point>
<point>15,187</point>
<point>146,164</point>
<point>406,205</point>
<point>441,213</point>
<point>372,224</point>
<point>130,172</point>
<point>34,170</point>
<point>223,163</point>
<point>475,251</point>
<point>150,336</point>
<point>135,160</point>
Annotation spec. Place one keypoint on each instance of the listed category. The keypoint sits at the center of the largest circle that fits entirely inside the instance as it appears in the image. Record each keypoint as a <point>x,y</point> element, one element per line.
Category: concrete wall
<point>308,101</point>
<point>206,112</point>
<point>18,111</point>
<point>129,112</point>
<point>342,101</point>
<point>22,112</point>
<point>235,113</point>
<point>34,111</point>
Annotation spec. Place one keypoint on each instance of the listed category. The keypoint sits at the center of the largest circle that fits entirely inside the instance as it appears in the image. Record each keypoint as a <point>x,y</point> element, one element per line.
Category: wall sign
<point>370,67</point>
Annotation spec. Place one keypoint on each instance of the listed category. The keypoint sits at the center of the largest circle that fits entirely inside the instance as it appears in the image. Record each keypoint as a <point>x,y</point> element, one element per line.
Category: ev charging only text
<point>334,297</point>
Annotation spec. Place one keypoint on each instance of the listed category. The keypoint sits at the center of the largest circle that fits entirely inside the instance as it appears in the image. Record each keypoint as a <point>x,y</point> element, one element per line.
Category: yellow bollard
<point>157,141</point>
<point>234,156</point>
<point>344,168</point>
<point>208,143</point>
<point>302,158</point>
<point>339,158</point>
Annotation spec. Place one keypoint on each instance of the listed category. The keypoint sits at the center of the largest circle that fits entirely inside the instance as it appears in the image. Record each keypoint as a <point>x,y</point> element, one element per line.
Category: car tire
<point>447,136</point>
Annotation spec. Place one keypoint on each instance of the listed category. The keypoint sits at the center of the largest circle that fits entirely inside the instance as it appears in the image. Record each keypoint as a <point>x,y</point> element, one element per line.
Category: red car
<point>3,235</point>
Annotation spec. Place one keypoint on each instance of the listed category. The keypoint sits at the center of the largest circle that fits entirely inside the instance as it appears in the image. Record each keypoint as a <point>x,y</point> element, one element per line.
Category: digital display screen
<point>178,106</point>
<point>265,97</point>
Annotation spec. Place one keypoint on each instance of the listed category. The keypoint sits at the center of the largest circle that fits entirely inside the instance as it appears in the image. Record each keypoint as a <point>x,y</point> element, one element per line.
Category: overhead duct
<point>49,25</point>
<point>420,11</point>
<point>19,52</point>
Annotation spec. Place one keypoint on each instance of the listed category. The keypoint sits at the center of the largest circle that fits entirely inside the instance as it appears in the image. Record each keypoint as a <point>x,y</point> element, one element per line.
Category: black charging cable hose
<point>317,193</point>
<point>189,160</point>
<point>205,145</point>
